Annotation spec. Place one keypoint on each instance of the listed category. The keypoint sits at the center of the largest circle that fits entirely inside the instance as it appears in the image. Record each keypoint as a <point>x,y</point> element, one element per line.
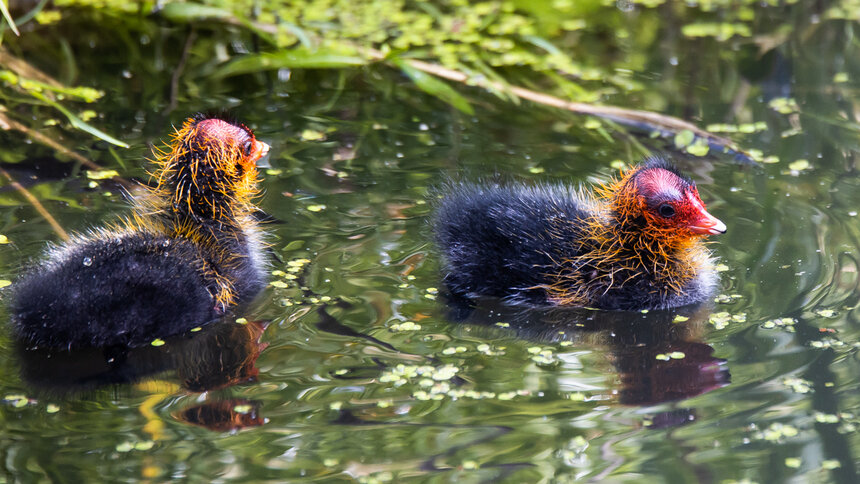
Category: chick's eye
<point>247,148</point>
<point>666,210</point>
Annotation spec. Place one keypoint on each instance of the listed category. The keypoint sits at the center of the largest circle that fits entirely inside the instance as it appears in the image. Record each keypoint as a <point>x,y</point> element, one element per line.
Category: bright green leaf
<point>684,138</point>
<point>8,17</point>
<point>181,12</point>
<point>77,122</point>
<point>299,58</point>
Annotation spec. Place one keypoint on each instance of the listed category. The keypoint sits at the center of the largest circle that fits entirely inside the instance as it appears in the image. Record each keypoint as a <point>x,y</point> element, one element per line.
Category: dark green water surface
<point>367,375</point>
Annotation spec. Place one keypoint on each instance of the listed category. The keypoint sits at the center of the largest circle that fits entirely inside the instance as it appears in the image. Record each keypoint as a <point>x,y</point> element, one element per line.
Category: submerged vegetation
<point>582,56</point>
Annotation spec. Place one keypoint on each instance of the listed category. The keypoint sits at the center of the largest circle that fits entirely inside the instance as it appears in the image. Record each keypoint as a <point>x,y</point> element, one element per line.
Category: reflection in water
<point>435,463</point>
<point>224,415</point>
<point>221,355</point>
<point>659,355</point>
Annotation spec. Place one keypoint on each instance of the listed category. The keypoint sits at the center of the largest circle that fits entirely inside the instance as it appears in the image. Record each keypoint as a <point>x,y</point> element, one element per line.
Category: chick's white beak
<point>262,161</point>
<point>709,225</point>
<point>261,148</point>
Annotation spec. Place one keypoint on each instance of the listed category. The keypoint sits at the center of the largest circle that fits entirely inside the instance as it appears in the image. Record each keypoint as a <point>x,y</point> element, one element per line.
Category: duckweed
<point>826,313</point>
<point>827,418</point>
<point>101,174</point>
<point>18,401</point>
<point>784,323</point>
<point>720,320</point>
<point>799,165</point>
<point>243,409</point>
<point>404,326</point>
<point>798,385</point>
<point>777,432</point>
<point>783,105</point>
<point>312,135</point>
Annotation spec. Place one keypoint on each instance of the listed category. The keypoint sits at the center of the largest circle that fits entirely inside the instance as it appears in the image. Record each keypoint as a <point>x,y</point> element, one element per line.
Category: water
<point>369,375</point>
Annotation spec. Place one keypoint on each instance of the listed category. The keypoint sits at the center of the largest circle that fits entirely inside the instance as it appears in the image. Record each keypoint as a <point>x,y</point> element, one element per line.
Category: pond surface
<point>351,366</point>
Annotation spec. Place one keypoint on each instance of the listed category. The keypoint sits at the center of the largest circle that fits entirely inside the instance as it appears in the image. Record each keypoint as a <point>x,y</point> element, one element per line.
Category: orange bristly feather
<point>180,164</point>
<point>609,250</point>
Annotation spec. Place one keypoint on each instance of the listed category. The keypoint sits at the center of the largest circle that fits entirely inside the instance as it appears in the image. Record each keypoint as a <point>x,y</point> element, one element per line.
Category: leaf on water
<point>698,148</point>
<point>434,87</point>
<point>784,105</point>
<point>684,138</point>
<point>124,447</point>
<point>300,58</point>
<point>798,165</point>
<point>243,409</point>
<point>312,135</point>
<point>101,174</point>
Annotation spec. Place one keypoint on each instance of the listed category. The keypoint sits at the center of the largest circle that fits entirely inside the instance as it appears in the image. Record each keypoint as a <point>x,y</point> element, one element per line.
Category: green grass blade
<point>299,58</point>
<point>8,17</point>
<point>181,12</point>
<point>78,122</point>
<point>434,86</point>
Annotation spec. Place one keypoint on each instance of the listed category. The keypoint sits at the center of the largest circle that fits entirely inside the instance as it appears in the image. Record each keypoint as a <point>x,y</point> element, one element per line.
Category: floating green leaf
<point>101,174</point>
<point>698,148</point>
<point>684,138</point>
<point>798,165</point>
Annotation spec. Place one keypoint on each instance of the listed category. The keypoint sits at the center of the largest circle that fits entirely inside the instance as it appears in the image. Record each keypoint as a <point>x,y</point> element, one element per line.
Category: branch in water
<point>629,117</point>
<point>36,204</point>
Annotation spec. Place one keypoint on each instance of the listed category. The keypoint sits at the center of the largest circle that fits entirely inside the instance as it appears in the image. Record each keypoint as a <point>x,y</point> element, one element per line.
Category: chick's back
<point>502,240</point>
<point>126,289</point>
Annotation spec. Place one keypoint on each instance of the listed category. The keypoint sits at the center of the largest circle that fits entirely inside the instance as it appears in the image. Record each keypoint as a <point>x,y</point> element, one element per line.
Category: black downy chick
<point>191,249</point>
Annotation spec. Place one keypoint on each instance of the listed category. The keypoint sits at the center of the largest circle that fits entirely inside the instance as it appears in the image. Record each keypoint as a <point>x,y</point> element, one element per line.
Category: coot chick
<point>636,245</point>
<point>190,250</point>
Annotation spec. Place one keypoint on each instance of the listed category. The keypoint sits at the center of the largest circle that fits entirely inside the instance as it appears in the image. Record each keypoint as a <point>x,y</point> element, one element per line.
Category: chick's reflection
<point>659,355</point>
<point>219,356</point>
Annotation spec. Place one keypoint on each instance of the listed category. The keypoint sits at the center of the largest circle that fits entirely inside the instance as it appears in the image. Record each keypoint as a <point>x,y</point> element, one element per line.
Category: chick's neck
<point>625,233</point>
<point>206,187</point>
